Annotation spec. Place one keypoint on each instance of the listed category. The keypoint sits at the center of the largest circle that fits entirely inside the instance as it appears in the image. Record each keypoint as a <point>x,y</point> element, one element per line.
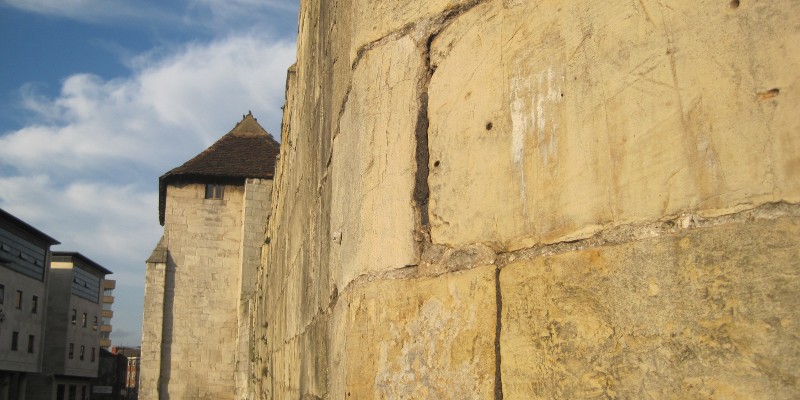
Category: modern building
<point>72,345</point>
<point>105,318</point>
<point>200,279</point>
<point>24,272</point>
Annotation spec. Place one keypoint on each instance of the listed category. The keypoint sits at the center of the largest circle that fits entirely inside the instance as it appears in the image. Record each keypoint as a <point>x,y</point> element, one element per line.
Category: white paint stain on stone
<point>519,119</point>
<point>533,114</point>
<point>548,93</point>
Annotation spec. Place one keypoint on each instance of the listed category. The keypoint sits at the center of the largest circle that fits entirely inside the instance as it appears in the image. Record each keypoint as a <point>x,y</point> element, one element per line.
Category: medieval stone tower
<point>200,278</point>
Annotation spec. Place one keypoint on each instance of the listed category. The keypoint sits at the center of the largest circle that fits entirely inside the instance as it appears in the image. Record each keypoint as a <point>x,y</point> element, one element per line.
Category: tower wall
<point>198,291</point>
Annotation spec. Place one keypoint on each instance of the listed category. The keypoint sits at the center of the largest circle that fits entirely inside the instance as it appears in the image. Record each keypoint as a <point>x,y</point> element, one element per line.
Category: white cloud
<point>85,170</point>
<point>105,221</point>
<point>185,100</point>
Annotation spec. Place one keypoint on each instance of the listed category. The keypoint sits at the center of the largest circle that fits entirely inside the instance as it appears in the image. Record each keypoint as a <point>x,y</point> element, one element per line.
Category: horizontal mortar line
<point>314,320</point>
<point>616,235</point>
<point>666,226</point>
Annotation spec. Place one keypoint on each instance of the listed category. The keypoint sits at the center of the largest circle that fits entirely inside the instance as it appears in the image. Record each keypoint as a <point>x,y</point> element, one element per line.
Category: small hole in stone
<point>436,163</point>
<point>489,126</point>
<point>734,3</point>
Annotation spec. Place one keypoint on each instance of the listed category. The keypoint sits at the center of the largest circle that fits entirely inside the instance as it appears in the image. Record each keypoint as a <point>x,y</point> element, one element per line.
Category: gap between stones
<point>440,259</point>
<point>498,328</point>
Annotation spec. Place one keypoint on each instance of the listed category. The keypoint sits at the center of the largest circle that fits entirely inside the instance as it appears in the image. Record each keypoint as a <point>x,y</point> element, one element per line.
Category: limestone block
<point>373,168</point>
<point>558,118</point>
<point>429,338</point>
<point>711,313</point>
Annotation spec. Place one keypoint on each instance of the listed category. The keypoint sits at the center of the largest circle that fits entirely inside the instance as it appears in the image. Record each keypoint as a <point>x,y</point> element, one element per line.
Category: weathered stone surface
<point>255,214</point>
<point>556,119</point>
<point>546,122</point>
<point>373,20</point>
<point>429,338</point>
<point>372,172</point>
<point>709,313</point>
<point>295,284</point>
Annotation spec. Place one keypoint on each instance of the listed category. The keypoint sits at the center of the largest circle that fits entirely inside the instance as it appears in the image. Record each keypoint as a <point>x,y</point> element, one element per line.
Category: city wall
<point>515,199</point>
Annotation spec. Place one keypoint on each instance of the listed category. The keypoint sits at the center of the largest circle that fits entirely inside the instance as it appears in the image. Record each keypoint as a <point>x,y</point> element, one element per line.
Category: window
<point>83,320</point>
<point>74,316</point>
<point>105,335</point>
<point>94,327</point>
<point>35,304</point>
<point>106,306</point>
<point>108,292</point>
<point>18,300</point>
<point>60,392</point>
<point>214,191</point>
<point>31,339</point>
<point>83,351</point>
<point>92,354</point>
<point>2,294</point>
<point>71,351</point>
<point>72,392</point>
<point>14,340</point>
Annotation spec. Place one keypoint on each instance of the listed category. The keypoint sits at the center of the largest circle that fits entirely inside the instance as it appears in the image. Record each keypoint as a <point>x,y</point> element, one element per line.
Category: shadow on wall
<point>167,329</point>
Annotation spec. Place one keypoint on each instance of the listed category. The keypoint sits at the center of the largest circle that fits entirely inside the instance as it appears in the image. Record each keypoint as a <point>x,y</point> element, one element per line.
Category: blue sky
<point>100,97</point>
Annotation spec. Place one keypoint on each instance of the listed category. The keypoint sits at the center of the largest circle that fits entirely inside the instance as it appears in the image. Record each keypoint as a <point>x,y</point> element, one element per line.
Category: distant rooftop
<point>24,226</point>
<point>73,256</point>
<point>247,151</point>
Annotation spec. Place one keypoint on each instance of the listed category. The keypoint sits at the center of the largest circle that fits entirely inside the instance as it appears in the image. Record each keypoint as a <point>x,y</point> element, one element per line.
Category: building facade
<point>72,345</point>
<point>24,272</point>
<point>200,279</point>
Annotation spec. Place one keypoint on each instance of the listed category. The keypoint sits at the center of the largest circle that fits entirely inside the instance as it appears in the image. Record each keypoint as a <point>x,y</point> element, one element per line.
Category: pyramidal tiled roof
<point>247,151</point>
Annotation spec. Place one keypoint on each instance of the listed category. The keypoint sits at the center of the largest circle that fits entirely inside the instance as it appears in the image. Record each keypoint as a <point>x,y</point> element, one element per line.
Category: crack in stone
<point>427,29</point>
<point>498,374</point>
<point>430,26</point>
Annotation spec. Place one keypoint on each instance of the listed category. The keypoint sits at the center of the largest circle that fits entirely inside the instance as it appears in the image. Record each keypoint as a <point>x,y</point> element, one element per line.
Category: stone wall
<point>514,199</point>
<point>255,214</point>
<point>199,289</point>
